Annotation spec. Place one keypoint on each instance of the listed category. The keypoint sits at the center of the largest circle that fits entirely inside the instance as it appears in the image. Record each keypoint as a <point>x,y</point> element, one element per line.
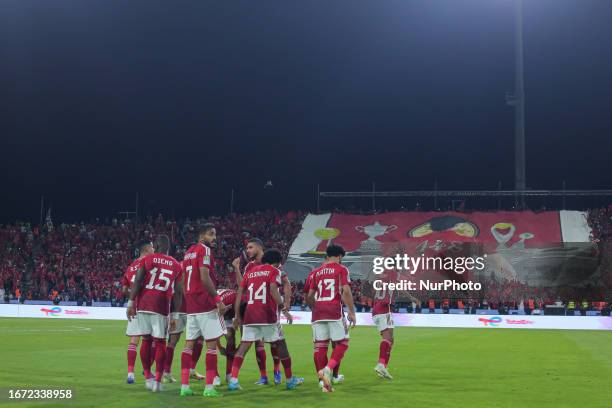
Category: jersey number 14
<point>259,294</point>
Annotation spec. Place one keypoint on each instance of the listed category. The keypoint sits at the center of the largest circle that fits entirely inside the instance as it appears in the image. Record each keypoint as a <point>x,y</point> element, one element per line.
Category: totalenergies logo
<point>492,322</point>
<point>54,311</point>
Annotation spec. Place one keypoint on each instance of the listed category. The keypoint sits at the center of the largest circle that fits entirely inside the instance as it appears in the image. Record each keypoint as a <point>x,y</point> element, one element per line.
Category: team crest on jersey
<point>206,259</point>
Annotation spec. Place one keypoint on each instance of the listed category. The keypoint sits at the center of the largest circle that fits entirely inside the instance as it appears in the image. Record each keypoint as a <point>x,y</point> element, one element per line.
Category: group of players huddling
<point>168,297</point>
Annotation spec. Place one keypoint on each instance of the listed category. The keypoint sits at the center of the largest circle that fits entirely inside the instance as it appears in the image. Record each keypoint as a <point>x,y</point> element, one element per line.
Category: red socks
<point>160,356</point>
<point>336,369</point>
<point>197,350</point>
<point>236,366</point>
<point>275,358</point>
<point>230,350</point>
<point>169,358</point>
<point>152,354</point>
<point>385,352</point>
<point>320,354</point>
<point>131,357</point>
<point>211,365</point>
<point>338,353</point>
<point>260,354</point>
<point>145,357</point>
<point>287,367</point>
<point>186,363</point>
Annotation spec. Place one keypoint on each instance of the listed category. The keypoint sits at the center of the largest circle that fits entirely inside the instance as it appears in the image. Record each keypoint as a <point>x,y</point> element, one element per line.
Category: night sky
<point>183,101</point>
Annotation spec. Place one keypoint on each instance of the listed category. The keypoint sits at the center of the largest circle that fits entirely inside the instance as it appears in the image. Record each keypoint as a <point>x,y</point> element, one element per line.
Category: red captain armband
<point>217,299</point>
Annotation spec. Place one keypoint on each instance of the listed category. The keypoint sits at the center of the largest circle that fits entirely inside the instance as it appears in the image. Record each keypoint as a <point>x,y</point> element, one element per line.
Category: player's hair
<point>256,241</point>
<point>205,228</point>
<point>335,251</point>
<point>141,245</point>
<point>272,256</point>
<point>162,244</point>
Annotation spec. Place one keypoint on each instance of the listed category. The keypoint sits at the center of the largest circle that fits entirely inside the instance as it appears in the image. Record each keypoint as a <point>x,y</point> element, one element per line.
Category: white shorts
<point>133,329</point>
<point>269,333</point>
<point>153,323</point>
<point>181,322</point>
<point>208,325</point>
<point>334,330</point>
<point>383,321</point>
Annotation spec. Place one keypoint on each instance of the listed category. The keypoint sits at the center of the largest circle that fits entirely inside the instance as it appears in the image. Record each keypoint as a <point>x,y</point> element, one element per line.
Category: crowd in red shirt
<point>85,262</point>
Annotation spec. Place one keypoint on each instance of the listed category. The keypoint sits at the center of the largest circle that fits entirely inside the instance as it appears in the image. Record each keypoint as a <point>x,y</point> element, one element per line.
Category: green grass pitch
<point>432,368</point>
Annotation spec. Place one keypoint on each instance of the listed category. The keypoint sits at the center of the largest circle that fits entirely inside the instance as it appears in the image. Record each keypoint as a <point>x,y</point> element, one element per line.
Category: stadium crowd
<point>84,262</point>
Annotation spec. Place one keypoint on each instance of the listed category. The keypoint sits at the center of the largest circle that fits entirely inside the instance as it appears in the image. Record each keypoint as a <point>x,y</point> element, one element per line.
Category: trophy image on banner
<point>369,249</point>
<point>324,234</point>
<point>510,262</point>
<point>372,246</point>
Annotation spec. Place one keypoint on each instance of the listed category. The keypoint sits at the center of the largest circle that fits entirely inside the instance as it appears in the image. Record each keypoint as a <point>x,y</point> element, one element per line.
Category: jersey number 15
<point>162,277</point>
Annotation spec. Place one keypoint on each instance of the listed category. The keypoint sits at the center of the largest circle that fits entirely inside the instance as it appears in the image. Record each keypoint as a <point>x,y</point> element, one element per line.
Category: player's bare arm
<point>237,271</point>
<point>310,299</point>
<point>275,293</point>
<point>138,280</point>
<point>210,288</point>
<point>279,301</point>
<point>347,299</point>
<point>287,293</point>
<point>237,316</point>
<point>177,301</point>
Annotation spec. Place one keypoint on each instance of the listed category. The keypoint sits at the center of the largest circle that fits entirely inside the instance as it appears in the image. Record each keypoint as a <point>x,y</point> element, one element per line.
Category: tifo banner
<point>363,319</point>
<point>524,240</point>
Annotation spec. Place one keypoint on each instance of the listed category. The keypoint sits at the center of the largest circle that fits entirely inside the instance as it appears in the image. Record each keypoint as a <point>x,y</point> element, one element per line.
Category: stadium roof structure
<point>468,193</point>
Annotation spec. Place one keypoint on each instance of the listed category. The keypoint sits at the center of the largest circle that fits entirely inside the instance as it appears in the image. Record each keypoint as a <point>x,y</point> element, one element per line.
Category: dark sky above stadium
<point>184,101</point>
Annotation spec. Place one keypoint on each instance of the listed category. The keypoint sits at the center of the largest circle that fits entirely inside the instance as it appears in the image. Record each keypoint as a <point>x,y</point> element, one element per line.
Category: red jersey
<point>249,267</point>
<point>326,281</point>
<point>161,271</point>
<point>197,298</point>
<point>261,307</point>
<point>130,273</point>
<point>383,298</point>
<point>183,308</point>
<point>252,265</point>
<point>228,297</point>
<point>308,283</point>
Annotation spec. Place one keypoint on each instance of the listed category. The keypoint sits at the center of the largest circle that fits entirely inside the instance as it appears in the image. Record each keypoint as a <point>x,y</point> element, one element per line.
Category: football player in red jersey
<point>255,250</point>
<point>133,331</point>
<point>204,310</point>
<point>320,347</point>
<point>329,288</point>
<point>177,323</point>
<point>261,320</point>
<point>154,289</point>
<point>228,297</point>
<point>382,317</point>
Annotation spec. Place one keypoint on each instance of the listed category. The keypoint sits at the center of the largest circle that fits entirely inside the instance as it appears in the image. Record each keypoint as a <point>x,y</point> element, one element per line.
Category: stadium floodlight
<point>518,102</point>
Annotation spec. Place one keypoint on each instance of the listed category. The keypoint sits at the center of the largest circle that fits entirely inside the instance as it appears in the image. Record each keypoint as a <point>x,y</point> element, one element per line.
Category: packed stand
<point>85,262</point>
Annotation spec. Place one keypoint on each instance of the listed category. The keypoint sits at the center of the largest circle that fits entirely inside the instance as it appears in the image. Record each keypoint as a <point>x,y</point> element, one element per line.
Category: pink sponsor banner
<point>495,228</point>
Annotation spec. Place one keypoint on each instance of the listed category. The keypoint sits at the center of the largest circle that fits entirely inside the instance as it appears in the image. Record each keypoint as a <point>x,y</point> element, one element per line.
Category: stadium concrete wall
<point>363,319</point>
